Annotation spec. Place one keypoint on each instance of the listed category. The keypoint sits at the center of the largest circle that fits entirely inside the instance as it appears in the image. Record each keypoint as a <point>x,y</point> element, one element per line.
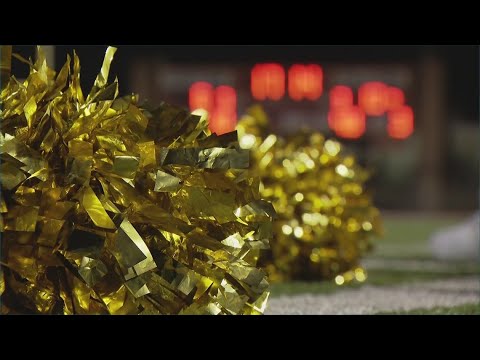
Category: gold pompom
<point>110,208</point>
<point>325,215</point>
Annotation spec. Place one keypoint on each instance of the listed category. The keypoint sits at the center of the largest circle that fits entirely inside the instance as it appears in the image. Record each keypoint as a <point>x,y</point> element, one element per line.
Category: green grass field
<point>405,242</point>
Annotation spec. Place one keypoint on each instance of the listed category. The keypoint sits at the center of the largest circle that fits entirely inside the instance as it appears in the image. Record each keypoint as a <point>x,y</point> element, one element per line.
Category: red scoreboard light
<point>340,96</point>
<point>220,103</point>
<point>395,98</point>
<point>347,122</point>
<point>226,99</point>
<point>373,97</point>
<point>305,82</point>
<point>267,82</point>
<point>224,117</point>
<point>400,123</point>
<point>201,96</point>
<point>222,122</point>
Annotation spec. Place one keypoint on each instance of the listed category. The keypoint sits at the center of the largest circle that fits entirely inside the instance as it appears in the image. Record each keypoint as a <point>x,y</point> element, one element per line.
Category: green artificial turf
<point>377,277</point>
<point>406,238</point>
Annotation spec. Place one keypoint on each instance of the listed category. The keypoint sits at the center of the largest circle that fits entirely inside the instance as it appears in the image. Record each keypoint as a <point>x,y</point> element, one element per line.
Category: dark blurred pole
<point>433,127</point>
<point>5,64</point>
<point>140,78</point>
<point>49,51</point>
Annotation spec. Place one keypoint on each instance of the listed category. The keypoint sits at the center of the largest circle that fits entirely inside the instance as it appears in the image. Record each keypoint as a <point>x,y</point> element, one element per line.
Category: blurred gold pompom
<point>325,216</point>
<point>110,208</point>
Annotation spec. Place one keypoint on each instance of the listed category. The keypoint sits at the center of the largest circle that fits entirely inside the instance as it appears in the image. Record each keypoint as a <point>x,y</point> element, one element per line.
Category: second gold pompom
<point>325,215</point>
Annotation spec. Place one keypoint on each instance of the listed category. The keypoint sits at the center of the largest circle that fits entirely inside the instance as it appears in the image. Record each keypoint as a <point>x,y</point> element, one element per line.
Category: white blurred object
<point>459,242</point>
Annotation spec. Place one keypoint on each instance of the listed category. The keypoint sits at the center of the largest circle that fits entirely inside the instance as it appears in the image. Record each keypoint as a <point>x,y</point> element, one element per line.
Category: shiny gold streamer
<point>325,214</point>
<point>109,208</point>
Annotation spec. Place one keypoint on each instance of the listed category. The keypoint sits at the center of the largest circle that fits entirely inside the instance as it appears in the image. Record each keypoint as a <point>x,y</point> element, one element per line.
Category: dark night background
<point>462,61</point>
<point>405,177</point>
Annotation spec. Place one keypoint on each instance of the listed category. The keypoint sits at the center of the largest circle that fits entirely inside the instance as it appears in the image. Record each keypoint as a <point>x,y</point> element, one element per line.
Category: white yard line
<point>371,300</point>
<point>417,265</point>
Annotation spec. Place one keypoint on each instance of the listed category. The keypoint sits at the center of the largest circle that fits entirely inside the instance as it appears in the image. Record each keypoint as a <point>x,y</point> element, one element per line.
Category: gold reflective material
<point>11,176</point>
<point>95,209</point>
<point>165,182</point>
<point>212,158</point>
<point>109,208</point>
<point>325,215</point>
<point>92,270</point>
<point>125,166</point>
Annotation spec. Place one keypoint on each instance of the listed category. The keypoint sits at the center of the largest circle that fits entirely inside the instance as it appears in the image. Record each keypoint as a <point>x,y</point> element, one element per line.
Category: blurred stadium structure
<point>418,163</point>
<point>424,154</point>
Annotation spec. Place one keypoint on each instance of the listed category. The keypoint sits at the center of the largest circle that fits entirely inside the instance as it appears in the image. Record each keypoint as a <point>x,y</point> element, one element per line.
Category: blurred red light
<point>347,122</point>
<point>314,82</point>
<point>257,83</point>
<point>224,117</point>
<point>395,98</point>
<point>267,81</point>
<point>372,98</point>
<point>341,95</point>
<point>305,81</point>
<point>295,82</point>
<point>225,99</point>
<point>222,122</point>
<point>400,124</point>
<point>200,96</point>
